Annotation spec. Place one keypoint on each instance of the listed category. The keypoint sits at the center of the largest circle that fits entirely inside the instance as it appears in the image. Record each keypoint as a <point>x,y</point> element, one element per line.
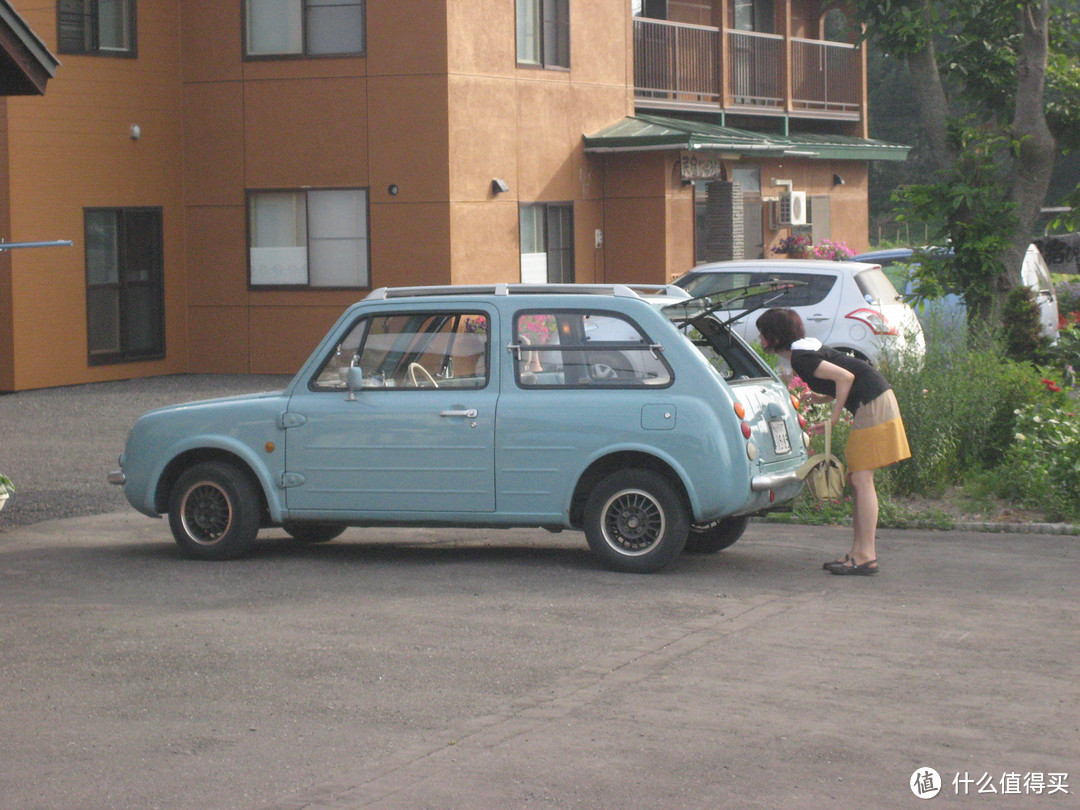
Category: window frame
<point>522,349</point>
<point>546,14</point>
<point>413,351</point>
<point>365,283</point>
<point>92,17</point>
<point>304,53</point>
<point>566,253</point>
<point>155,284</point>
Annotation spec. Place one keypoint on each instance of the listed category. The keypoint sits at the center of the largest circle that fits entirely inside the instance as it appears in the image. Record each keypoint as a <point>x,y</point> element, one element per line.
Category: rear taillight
<point>877,322</point>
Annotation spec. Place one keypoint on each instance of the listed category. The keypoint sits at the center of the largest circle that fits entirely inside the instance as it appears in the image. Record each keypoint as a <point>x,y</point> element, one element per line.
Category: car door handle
<point>468,414</point>
<point>817,317</point>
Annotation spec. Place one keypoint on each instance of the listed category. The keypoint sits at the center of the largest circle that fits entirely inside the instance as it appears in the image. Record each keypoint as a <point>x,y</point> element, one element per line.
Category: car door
<point>417,435</point>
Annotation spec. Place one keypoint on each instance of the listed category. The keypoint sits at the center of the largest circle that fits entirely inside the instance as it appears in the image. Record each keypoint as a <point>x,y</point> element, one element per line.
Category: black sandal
<point>842,561</point>
<point>867,569</point>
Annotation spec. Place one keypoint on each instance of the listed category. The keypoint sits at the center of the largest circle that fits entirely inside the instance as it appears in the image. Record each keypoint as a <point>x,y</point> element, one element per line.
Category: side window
<point>412,350</point>
<point>817,287</point>
<point>275,28</point>
<point>102,27</point>
<point>576,349</point>
<point>313,238</point>
<point>543,33</point>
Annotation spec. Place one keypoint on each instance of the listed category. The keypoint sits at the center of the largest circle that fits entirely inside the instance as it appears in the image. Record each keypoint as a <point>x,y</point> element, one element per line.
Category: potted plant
<point>795,246</point>
<point>6,488</point>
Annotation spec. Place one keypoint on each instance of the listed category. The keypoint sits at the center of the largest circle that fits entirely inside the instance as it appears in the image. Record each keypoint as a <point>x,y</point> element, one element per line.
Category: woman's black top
<point>869,383</point>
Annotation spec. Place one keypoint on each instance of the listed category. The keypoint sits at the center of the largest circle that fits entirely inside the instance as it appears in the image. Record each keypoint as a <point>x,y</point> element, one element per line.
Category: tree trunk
<point>1037,146</point>
<point>930,96</point>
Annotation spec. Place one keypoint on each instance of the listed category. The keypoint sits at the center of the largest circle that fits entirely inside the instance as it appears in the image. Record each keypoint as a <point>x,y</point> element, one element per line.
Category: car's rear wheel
<point>635,521</point>
<point>716,536</point>
<point>214,511</point>
<point>313,532</point>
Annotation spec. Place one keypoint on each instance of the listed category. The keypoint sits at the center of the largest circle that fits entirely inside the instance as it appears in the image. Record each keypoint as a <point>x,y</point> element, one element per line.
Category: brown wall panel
<point>409,137</point>
<point>485,248</point>
<point>481,38</point>
<point>634,244</point>
<point>414,247</point>
<point>407,40</point>
<point>281,339</point>
<point>214,143</point>
<point>483,125</point>
<point>305,133</point>
<point>219,343</point>
<point>216,257</point>
<point>211,38</point>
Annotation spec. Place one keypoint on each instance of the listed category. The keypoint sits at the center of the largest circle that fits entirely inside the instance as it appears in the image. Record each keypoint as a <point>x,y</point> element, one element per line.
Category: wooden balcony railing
<point>679,66</point>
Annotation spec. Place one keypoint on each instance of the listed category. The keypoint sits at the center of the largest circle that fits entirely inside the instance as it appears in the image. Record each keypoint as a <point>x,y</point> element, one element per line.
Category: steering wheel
<point>415,370</point>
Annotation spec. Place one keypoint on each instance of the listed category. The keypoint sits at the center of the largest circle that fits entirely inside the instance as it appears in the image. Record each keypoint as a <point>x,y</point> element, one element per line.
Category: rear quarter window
<point>876,287</point>
<point>585,349</point>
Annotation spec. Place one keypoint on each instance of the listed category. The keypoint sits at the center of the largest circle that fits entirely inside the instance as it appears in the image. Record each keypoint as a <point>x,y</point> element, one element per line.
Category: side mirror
<point>353,381</point>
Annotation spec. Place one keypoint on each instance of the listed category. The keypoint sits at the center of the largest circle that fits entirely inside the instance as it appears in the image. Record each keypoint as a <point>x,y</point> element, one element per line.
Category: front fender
<point>193,449</point>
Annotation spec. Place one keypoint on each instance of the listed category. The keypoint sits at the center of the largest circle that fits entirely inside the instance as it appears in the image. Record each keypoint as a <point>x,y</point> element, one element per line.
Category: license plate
<point>781,442</point>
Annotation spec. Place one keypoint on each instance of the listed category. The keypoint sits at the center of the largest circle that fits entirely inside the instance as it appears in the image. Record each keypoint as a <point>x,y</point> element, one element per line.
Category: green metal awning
<point>653,132</point>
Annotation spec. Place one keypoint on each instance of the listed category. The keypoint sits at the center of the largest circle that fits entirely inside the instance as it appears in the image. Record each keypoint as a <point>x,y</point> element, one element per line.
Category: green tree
<point>997,87</point>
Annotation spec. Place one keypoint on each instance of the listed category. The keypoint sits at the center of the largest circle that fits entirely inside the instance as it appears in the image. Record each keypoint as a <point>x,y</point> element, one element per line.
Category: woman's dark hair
<point>780,328</point>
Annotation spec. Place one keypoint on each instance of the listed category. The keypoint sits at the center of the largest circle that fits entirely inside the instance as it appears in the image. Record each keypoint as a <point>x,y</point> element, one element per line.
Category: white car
<point>849,306</point>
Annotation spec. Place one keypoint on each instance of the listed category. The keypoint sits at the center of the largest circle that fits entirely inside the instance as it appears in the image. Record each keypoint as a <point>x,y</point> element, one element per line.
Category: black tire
<point>214,511</point>
<point>716,536</point>
<point>306,532</point>
<point>635,521</point>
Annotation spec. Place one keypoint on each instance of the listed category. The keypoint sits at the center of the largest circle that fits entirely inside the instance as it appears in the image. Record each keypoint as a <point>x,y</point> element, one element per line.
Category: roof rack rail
<point>621,290</point>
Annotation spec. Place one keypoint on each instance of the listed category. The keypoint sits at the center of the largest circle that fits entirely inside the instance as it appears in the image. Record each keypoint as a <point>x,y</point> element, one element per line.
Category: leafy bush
<point>958,407</point>
<point>1068,295</point>
<point>1042,467</point>
<point>1021,326</point>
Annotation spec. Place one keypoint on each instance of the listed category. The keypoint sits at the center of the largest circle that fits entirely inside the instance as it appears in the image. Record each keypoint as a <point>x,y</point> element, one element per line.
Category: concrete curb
<point>990,527</point>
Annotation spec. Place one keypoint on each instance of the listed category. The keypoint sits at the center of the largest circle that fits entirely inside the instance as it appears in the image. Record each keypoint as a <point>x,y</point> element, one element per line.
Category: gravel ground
<point>58,444</point>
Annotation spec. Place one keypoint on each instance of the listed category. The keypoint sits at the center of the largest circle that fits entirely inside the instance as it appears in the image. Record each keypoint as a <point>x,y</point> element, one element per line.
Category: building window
<point>543,33</point>
<point>308,238</point>
<point>547,243</point>
<point>304,27</point>
<point>125,308</point>
<point>104,27</point>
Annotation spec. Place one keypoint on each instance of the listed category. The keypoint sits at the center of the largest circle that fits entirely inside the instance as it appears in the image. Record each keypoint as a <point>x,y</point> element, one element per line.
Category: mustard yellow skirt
<point>877,437</point>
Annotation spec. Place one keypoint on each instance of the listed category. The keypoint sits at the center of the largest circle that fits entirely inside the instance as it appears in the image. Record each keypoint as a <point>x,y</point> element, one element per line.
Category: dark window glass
<point>105,27</point>
<point>125,308</point>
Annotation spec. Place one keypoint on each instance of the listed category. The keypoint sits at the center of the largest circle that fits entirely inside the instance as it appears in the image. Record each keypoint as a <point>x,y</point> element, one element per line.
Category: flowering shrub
<point>832,251</point>
<point>537,329</point>
<point>1043,462</point>
<point>795,246</point>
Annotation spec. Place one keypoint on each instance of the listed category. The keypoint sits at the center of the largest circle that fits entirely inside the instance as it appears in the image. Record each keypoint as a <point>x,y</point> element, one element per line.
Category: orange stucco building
<point>232,173</point>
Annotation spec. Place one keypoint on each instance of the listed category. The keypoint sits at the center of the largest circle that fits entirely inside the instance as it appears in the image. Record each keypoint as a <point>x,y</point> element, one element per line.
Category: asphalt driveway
<point>408,669</point>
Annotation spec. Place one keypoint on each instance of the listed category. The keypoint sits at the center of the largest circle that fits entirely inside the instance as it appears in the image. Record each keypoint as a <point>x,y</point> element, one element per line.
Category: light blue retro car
<point>633,414</point>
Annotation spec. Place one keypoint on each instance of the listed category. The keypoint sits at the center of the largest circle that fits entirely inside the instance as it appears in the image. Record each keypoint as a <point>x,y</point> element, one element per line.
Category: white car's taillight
<point>875,320</point>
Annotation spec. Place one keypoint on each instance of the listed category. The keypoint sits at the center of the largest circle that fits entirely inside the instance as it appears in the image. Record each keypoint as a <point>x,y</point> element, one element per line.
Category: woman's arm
<point>842,378</point>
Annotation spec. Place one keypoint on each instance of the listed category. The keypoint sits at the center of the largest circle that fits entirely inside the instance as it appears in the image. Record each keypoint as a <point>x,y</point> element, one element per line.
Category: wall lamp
<point>837,180</point>
<point>498,186</point>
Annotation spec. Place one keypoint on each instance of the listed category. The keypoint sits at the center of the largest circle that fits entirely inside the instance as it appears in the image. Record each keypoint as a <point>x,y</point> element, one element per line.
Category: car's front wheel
<point>214,511</point>
<point>635,521</point>
<point>716,536</point>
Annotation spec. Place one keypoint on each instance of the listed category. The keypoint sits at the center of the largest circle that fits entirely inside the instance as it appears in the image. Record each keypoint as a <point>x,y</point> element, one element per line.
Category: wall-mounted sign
<point>701,165</point>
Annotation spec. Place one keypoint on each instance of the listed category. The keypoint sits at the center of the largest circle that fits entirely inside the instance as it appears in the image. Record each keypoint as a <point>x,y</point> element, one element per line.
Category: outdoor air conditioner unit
<point>791,209</point>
